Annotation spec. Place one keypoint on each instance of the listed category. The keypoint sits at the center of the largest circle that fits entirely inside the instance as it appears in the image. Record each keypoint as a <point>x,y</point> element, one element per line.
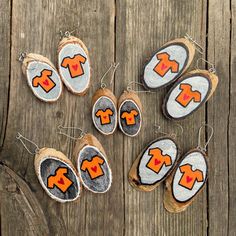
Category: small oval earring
<point>55,172</point>
<point>74,63</point>
<point>92,165</point>
<point>155,162</point>
<point>130,111</point>
<point>104,106</point>
<point>42,76</point>
<point>188,178</point>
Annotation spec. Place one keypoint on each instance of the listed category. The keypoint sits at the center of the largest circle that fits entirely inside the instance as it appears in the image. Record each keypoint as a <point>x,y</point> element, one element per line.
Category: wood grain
<point>129,32</point>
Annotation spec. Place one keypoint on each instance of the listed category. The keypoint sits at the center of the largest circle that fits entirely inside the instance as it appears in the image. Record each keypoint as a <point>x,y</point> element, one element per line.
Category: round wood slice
<point>153,164</point>
<point>104,111</point>
<point>42,77</point>
<point>57,175</point>
<point>186,181</point>
<point>168,63</point>
<point>92,164</point>
<point>189,93</point>
<point>129,113</point>
<point>74,65</point>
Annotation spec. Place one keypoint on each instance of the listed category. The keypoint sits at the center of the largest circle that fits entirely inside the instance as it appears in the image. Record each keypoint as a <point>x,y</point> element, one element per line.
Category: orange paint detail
<point>105,116</point>
<point>93,167</point>
<point>129,117</point>
<point>74,65</point>
<point>60,180</point>
<point>187,95</point>
<point>158,160</point>
<point>165,64</point>
<point>189,176</point>
<point>44,81</point>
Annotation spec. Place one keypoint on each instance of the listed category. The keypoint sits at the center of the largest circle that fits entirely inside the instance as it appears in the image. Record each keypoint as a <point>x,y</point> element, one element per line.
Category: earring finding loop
<point>22,56</point>
<point>65,34</point>
<point>199,48</point>
<point>113,65</point>
<point>129,88</point>
<point>20,137</point>
<point>61,128</point>
<point>209,139</point>
<point>212,69</point>
<point>174,135</point>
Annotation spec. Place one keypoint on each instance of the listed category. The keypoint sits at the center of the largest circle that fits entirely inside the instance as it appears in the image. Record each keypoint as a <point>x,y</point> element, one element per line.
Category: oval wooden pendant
<point>186,181</point>
<point>129,113</point>
<point>74,64</point>
<point>92,165</point>
<point>168,63</point>
<point>189,93</point>
<point>154,164</point>
<point>42,77</point>
<point>104,111</point>
<point>57,175</point>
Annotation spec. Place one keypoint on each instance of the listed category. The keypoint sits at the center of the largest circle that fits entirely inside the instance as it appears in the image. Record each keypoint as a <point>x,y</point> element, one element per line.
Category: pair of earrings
<point>185,177</point>
<point>58,176</point>
<point>107,111</point>
<point>191,90</point>
<point>73,70</point>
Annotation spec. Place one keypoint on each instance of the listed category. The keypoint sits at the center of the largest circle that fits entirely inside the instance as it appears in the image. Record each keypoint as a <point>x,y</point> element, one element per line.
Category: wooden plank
<point>232,125</point>
<point>142,27</point>
<point>35,29</point>
<point>218,116</point>
<point>5,31</point>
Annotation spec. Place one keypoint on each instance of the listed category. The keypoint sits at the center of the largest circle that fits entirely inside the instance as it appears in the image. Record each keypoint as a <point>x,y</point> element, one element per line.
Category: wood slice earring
<point>104,106</point>
<point>92,165</point>
<point>55,172</point>
<point>130,111</point>
<point>170,62</point>
<point>189,93</point>
<point>154,164</point>
<point>188,178</point>
<point>74,64</point>
<point>42,77</point>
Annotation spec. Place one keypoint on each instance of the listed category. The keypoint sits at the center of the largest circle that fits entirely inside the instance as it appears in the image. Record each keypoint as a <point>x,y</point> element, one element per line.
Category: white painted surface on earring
<point>197,83</point>
<point>75,81</point>
<point>177,53</point>
<point>102,104</point>
<point>41,76</point>
<point>197,162</point>
<point>145,173</point>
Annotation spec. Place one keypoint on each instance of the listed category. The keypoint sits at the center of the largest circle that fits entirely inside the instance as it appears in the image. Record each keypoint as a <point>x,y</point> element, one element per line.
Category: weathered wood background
<point>125,31</point>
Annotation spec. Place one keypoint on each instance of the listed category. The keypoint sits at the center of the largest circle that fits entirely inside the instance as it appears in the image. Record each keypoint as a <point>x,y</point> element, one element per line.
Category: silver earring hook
<point>209,139</point>
<point>174,135</point>
<point>113,65</point>
<point>199,48</point>
<point>20,137</point>
<point>212,69</point>
<point>22,56</point>
<point>65,34</point>
<point>61,128</point>
<point>129,88</point>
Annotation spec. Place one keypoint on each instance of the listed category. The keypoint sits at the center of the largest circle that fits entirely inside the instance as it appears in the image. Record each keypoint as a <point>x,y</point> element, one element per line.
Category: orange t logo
<point>59,179</point>
<point>129,117</point>
<point>165,64</point>
<point>158,160</point>
<point>187,95</point>
<point>44,81</point>
<point>93,167</point>
<point>104,116</point>
<point>74,65</point>
<point>189,176</point>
